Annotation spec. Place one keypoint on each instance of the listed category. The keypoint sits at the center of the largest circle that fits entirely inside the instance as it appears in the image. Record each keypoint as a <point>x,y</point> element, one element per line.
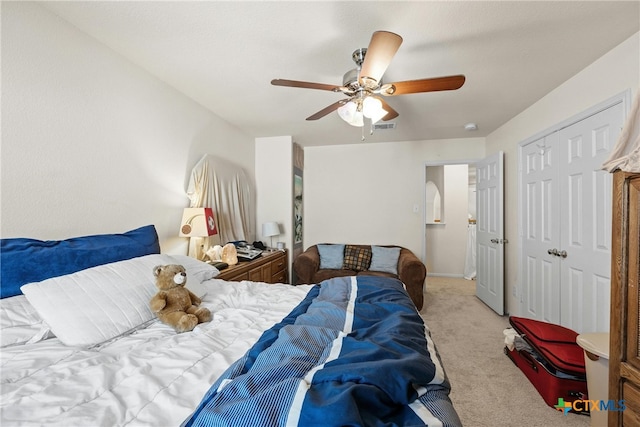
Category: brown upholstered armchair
<point>411,271</point>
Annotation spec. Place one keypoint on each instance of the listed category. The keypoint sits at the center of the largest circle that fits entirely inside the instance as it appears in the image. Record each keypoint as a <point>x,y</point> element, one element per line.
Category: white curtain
<point>626,154</point>
<point>218,184</point>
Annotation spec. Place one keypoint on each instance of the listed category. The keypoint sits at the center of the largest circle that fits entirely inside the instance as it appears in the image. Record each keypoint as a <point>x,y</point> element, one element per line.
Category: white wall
<point>447,242</point>
<point>274,186</point>
<point>366,193</point>
<point>91,143</point>
<point>613,73</point>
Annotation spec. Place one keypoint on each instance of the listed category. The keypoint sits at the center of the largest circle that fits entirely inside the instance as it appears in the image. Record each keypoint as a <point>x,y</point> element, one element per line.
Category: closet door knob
<point>494,240</point>
<point>562,254</point>
<point>553,251</point>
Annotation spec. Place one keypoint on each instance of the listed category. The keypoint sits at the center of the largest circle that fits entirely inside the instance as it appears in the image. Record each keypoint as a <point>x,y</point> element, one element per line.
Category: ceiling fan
<point>363,85</point>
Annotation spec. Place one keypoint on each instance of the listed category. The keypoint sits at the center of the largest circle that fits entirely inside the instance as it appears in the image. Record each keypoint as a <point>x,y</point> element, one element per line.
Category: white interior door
<point>490,231</point>
<point>565,221</point>
<point>540,219</point>
<point>585,246</point>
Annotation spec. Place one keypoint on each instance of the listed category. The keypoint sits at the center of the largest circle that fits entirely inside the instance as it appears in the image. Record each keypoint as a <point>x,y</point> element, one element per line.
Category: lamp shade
<point>347,111</point>
<point>270,229</point>
<point>351,112</point>
<point>358,120</point>
<point>198,222</point>
<point>371,106</point>
<point>375,118</point>
<point>372,109</point>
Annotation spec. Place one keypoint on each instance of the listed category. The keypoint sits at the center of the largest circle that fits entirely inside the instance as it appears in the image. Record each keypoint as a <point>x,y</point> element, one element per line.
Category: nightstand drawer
<point>280,277</point>
<point>270,267</point>
<point>260,273</point>
<point>279,264</point>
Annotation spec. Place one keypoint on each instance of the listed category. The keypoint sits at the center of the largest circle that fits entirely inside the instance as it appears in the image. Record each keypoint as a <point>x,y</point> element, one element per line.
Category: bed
<point>82,348</point>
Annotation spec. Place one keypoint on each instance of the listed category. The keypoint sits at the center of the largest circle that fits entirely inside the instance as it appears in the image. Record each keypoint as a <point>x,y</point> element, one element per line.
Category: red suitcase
<point>555,362</point>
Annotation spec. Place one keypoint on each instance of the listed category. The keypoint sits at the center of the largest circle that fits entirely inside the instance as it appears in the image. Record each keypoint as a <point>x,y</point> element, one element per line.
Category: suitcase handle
<point>529,359</point>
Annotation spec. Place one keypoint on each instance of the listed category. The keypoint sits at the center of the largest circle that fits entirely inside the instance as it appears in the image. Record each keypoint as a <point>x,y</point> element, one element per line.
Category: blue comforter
<point>354,353</point>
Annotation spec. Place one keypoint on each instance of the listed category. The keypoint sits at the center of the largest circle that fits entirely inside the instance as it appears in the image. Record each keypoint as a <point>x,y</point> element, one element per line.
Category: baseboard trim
<point>457,276</point>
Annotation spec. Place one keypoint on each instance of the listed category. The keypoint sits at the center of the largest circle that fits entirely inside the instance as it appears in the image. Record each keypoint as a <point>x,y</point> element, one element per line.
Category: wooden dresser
<point>270,267</point>
<point>624,352</point>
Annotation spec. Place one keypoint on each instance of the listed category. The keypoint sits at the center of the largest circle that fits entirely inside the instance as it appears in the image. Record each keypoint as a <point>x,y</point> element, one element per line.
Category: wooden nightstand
<point>270,267</point>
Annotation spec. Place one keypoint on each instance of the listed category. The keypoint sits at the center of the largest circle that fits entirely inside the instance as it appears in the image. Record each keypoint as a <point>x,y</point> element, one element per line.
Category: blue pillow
<point>384,259</point>
<point>331,256</point>
<point>28,260</point>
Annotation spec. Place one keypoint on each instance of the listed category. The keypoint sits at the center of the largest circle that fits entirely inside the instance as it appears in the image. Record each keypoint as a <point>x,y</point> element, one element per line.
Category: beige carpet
<point>488,390</point>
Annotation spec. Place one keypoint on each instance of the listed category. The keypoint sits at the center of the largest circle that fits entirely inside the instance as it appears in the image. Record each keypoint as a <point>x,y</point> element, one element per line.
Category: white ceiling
<point>224,55</point>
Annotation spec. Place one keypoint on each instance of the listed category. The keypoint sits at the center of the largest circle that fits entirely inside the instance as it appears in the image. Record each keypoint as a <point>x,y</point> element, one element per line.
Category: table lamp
<point>270,229</point>
<point>198,222</point>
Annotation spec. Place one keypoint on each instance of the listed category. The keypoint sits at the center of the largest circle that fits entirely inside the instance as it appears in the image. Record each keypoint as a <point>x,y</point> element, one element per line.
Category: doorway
<point>449,218</point>
<point>489,220</point>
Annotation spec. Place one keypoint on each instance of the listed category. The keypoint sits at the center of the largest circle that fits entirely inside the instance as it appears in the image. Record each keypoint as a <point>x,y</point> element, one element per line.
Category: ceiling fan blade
<point>382,47</point>
<point>391,113</point>
<point>424,85</point>
<point>305,85</point>
<point>331,108</point>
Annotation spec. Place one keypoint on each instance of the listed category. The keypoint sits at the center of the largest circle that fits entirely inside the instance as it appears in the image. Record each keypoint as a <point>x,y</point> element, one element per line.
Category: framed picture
<point>297,207</point>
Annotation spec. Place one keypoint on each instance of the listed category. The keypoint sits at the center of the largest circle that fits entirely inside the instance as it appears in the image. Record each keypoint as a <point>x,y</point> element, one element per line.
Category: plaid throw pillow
<point>356,258</point>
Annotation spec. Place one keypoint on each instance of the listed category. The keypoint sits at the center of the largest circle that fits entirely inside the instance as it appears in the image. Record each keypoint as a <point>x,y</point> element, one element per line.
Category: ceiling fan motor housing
<point>350,79</point>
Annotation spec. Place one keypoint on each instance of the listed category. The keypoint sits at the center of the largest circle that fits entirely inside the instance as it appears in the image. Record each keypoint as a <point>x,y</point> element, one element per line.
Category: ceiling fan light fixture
<point>379,115</point>
<point>358,120</point>
<point>371,106</point>
<point>350,114</point>
<point>354,111</point>
<point>348,111</point>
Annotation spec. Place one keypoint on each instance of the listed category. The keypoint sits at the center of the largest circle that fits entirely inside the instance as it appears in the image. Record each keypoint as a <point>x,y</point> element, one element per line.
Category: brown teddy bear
<point>174,304</point>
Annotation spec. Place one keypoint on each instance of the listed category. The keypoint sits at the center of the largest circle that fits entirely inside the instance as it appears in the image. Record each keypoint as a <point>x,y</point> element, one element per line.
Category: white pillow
<point>98,304</point>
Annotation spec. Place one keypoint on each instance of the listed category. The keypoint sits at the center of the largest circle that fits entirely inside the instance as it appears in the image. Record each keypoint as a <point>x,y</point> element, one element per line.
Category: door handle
<point>495,241</point>
<point>554,251</point>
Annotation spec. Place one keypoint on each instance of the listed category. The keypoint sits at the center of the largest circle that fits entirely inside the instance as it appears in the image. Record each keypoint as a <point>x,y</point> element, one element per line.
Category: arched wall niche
<point>433,208</point>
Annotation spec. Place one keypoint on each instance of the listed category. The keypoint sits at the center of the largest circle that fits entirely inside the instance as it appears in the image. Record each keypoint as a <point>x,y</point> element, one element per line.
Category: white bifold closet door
<point>566,223</point>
